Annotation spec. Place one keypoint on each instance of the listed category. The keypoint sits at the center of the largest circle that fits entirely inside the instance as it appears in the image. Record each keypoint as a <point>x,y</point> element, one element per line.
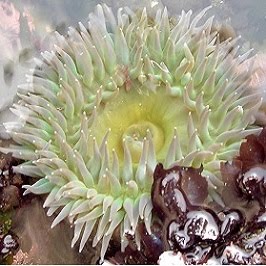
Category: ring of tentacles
<point>118,96</point>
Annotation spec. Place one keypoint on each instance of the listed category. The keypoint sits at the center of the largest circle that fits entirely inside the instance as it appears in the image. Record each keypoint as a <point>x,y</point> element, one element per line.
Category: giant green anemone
<point>115,98</point>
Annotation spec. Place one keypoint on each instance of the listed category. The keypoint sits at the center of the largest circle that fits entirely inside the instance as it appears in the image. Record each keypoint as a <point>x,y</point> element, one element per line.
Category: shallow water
<point>26,29</point>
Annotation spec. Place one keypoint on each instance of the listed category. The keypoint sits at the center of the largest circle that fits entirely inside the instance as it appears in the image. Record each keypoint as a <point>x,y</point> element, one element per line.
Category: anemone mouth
<point>115,99</point>
<point>136,116</point>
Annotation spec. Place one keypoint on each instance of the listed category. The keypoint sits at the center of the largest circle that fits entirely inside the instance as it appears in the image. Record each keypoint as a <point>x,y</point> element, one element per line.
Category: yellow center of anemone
<point>135,134</point>
<point>138,114</point>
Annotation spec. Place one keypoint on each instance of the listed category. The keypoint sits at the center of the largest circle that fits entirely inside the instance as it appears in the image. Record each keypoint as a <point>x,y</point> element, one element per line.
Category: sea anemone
<point>114,99</point>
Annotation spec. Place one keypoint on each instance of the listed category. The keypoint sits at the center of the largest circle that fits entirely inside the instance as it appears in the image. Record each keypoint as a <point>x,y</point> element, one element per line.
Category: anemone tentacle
<point>118,96</point>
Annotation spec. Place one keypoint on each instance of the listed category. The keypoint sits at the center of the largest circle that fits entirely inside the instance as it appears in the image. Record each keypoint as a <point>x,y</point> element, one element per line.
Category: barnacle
<point>115,98</point>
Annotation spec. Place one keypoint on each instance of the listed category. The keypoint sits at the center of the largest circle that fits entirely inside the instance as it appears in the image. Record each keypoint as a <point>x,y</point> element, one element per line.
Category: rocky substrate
<point>10,199</point>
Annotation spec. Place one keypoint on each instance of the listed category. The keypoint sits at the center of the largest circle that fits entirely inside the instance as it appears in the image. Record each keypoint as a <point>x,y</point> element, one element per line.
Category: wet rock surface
<point>41,244</point>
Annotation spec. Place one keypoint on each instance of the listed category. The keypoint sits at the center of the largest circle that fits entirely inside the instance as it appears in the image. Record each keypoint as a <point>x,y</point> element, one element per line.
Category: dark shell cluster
<point>234,234</point>
<point>202,233</point>
<point>246,175</point>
